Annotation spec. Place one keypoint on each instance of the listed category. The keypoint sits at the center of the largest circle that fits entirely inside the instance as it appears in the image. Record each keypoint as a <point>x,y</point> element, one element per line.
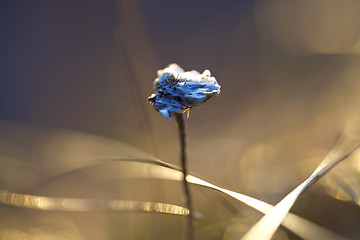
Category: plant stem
<point>189,230</point>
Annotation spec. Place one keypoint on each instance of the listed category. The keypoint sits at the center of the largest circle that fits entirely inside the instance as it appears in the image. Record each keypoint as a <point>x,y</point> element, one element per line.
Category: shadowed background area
<point>290,88</point>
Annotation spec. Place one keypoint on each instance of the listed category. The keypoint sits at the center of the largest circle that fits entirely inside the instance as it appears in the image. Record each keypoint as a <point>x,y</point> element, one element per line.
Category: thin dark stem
<point>189,230</point>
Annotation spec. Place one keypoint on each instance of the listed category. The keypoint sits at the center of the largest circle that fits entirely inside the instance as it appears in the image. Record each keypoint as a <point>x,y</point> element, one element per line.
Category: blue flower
<point>177,91</point>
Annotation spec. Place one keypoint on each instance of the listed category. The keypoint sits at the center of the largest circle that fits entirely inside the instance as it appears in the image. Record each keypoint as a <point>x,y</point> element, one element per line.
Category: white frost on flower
<point>178,91</point>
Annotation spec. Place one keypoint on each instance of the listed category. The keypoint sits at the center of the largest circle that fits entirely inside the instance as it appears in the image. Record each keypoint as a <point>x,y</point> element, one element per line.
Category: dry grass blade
<point>267,226</point>
<point>88,205</point>
<point>301,227</point>
<point>130,43</point>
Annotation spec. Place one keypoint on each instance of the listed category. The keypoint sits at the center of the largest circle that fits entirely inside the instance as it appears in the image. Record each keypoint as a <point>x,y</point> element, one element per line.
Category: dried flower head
<point>178,91</point>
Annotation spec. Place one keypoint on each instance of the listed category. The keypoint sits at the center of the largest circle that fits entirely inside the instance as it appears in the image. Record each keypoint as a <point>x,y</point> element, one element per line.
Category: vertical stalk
<point>189,229</point>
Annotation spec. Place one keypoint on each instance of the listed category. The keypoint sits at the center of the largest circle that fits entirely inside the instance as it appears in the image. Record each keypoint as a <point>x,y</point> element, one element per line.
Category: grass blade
<point>267,226</point>
<point>89,205</point>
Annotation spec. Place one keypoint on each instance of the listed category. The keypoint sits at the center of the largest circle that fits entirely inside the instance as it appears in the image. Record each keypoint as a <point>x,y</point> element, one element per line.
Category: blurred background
<point>75,76</point>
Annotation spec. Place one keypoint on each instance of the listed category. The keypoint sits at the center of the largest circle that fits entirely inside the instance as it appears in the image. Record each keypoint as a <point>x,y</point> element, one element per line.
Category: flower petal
<point>179,91</point>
